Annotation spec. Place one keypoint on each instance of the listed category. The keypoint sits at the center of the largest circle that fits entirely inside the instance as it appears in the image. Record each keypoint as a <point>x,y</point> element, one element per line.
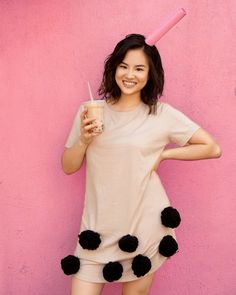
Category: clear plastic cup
<point>96,110</point>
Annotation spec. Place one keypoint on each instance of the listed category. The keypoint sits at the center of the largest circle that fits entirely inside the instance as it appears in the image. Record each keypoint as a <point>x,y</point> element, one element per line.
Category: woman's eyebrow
<point>135,65</point>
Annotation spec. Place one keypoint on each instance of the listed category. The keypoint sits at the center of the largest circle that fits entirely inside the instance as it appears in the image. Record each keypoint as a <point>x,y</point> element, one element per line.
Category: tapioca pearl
<point>99,126</point>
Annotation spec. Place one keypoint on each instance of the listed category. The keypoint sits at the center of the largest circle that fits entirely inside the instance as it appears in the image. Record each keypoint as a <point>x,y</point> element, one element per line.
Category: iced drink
<point>95,110</point>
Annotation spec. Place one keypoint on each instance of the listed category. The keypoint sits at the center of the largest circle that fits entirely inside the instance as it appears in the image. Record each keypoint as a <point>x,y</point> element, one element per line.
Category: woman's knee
<point>80,287</point>
<point>139,286</point>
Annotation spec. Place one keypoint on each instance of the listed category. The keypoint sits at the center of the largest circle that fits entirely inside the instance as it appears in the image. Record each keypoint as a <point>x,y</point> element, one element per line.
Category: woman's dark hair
<point>155,84</point>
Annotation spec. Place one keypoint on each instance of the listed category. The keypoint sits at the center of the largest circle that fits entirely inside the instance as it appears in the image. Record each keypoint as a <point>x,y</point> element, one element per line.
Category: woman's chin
<point>128,91</point>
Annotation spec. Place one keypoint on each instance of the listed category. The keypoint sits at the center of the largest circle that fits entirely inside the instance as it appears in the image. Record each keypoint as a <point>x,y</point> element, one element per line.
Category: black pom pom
<point>112,271</point>
<point>170,217</point>
<point>141,265</point>
<point>128,243</point>
<point>89,239</point>
<point>168,246</point>
<point>70,264</point>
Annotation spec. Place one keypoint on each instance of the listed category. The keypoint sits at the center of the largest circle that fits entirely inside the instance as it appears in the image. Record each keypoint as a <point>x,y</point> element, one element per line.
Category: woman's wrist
<point>82,143</point>
<point>164,155</point>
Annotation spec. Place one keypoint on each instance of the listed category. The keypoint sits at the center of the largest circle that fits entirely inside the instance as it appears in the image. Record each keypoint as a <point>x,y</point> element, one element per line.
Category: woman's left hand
<point>159,159</point>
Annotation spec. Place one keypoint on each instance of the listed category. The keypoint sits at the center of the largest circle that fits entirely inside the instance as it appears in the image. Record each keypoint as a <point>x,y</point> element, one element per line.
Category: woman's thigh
<point>139,286</point>
<point>79,287</point>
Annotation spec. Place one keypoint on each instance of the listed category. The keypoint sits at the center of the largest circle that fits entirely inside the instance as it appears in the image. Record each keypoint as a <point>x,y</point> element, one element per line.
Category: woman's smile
<point>129,84</point>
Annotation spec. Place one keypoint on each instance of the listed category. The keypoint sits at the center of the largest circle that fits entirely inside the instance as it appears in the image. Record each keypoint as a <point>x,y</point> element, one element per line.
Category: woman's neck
<point>127,102</point>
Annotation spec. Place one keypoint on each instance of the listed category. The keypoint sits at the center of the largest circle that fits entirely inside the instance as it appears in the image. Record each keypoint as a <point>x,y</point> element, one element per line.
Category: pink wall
<point>45,63</point>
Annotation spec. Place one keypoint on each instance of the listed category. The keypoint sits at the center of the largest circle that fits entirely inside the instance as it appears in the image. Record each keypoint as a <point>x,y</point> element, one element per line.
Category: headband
<point>165,27</point>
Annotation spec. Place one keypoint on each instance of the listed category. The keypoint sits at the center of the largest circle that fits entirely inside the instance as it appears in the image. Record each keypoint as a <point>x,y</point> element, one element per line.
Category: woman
<point>127,228</point>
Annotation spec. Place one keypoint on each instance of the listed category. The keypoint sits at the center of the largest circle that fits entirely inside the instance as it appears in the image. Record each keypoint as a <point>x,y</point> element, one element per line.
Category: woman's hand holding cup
<point>86,128</point>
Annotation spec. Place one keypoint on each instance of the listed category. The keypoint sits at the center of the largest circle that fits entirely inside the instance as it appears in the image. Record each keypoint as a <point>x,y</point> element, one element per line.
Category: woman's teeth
<point>129,84</point>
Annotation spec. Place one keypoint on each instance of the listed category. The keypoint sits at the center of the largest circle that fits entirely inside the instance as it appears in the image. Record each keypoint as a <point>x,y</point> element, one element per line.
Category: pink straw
<point>90,92</point>
<point>166,26</point>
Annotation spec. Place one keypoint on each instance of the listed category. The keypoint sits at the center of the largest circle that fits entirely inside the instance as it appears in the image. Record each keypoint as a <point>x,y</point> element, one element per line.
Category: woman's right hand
<point>86,128</point>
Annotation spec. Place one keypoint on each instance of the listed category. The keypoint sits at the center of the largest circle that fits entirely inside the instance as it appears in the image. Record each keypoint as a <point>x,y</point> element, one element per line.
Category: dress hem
<point>127,279</point>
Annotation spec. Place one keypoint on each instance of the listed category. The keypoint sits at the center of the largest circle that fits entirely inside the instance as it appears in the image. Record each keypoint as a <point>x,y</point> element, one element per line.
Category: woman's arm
<point>201,146</point>
<point>72,157</point>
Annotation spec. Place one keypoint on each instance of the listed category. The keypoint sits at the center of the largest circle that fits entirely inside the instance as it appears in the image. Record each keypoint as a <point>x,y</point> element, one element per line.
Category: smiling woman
<point>128,225</point>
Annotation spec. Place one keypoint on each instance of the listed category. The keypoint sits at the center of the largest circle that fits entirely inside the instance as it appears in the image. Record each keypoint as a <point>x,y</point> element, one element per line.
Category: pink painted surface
<point>48,51</point>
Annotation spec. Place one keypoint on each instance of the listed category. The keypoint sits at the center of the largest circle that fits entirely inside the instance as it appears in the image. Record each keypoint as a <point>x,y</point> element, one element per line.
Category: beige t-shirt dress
<point>128,225</point>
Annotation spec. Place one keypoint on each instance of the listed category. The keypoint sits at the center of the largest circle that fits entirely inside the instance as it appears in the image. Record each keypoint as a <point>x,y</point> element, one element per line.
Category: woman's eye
<point>139,69</point>
<point>121,66</point>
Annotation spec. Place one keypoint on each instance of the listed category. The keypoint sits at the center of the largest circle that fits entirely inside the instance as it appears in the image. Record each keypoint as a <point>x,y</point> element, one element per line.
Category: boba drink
<point>95,110</point>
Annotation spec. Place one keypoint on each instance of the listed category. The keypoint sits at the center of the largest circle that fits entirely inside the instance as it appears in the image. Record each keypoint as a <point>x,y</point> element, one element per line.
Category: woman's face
<point>132,73</point>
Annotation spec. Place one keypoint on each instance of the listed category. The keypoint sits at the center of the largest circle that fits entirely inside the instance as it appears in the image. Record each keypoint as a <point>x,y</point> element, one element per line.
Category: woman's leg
<point>79,287</point>
<point>139,286</point>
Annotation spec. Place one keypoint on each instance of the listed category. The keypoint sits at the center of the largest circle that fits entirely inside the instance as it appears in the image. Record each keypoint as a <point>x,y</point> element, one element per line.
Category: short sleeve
<point>180,127</point>
<point>75,129</point>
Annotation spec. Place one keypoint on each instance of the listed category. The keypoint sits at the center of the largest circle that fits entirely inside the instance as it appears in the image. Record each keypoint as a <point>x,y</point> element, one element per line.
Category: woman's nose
<point>130,73</point>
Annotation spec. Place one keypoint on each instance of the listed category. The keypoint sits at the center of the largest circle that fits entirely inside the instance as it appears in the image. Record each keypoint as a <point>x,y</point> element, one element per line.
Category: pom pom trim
<point>128,243</point>
<point>112,271</point>
<point>170,217</point>
<point>70,264</point>
<point>168,246</point>
<point>89,239</point>
<point>141,265</point>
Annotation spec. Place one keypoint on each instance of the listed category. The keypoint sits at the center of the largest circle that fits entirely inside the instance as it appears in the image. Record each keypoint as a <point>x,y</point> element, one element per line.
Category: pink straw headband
<point>165,27</point>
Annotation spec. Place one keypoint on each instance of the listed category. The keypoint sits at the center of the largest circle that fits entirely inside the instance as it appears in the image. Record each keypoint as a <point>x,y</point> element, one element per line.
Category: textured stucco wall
<point>48,50</point>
